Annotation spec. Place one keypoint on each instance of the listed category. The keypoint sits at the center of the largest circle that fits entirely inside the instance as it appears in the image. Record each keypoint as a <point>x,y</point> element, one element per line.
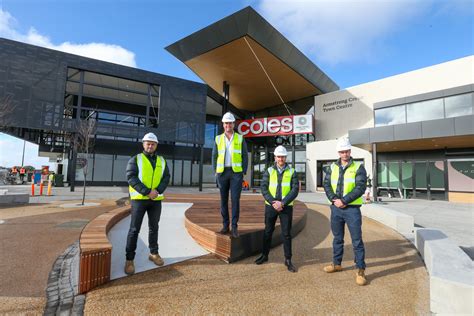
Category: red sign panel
<point>274,126</point>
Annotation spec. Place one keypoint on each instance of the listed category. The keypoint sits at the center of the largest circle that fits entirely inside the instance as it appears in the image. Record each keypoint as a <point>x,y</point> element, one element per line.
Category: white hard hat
<point>228,117</point>
<point>150,137</point>
<point>280,151</point>
<point>343,144</point>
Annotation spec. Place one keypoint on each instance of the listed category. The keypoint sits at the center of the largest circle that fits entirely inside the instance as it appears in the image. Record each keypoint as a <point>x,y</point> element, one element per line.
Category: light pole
<point>23,156</point>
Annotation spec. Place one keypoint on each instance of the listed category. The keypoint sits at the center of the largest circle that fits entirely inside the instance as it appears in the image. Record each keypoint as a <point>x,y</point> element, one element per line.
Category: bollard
<point>33,189</point>
<point>49,188</point>
<point>41,188</point>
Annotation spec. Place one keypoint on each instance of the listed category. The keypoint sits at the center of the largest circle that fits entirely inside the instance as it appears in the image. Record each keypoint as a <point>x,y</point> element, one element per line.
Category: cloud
<point>107,52</point>
<point>12,151</point>
<point>341,30</point>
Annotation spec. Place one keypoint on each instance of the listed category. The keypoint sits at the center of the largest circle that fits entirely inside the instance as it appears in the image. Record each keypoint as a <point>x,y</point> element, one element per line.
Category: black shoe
<point>225,230</point>
<point>290,265</point>
<point>235,232</point>
<point>261,259</point>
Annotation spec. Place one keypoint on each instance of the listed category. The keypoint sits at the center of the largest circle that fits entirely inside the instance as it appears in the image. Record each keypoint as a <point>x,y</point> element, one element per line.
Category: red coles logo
<point>273,126</point>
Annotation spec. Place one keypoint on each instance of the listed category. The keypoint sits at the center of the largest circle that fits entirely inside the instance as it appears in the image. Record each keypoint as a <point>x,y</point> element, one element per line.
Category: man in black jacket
<point>148,176</point>
<point>279,188</point>
<point>344,184</point>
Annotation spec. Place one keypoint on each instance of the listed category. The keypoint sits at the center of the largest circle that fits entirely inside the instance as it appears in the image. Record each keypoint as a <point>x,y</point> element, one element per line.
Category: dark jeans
<point>139,208</point>
<point>286,220</point>
<point>351,216</point>
<point>233,181</point>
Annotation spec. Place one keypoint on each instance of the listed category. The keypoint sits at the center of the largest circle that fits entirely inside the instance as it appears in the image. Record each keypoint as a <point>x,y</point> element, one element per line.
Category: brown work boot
<point>332,268</point>
<point>129,267</point>
<point>155,257</point>
<point>360,277</point>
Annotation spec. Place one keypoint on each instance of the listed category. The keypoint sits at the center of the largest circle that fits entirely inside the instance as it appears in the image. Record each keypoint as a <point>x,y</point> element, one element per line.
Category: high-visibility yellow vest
<point>285,182</point>
<point>150,177</point>
<point>235,149</point>
<point>349,179</point>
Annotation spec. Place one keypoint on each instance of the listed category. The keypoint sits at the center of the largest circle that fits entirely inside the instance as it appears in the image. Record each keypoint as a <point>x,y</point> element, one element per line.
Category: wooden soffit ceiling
<point>237,63</point>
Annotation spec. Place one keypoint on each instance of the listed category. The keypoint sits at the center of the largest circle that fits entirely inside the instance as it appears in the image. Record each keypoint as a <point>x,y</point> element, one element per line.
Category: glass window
<point>103,167</point>
<point>393,174</point>
<point>73,74</point>
<point>114,82</point>
<point>424,111</point>
<point>390,116</point>
<point>382,174</point>
<point>407,175</point>
<point>120,165</point>
<point>458,105</point>
<point>420,170</point>
<point>208,174</point>
<point>300,156</point>
<point>210,134</point>
<point>111,94</point>
<point>186,172</point>
<point>436,174</point>
<point>178,166</point>
<point>72,87</point>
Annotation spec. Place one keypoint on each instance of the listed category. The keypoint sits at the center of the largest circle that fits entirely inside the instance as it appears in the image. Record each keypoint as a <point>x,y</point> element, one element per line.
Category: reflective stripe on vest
<point>349,180</point>
<point>150,177</point>
<point>285,182</point>
<point>235,149</point>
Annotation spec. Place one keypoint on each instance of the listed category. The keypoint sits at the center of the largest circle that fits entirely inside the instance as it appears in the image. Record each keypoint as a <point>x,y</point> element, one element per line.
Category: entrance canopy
<point>259,64</point>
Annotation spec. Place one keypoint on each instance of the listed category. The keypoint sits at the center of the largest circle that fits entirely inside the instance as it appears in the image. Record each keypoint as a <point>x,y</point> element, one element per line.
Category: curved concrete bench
<point>450,268</point>
<point>400,222</point>
<point>451,272</point>
<point>96,250</point>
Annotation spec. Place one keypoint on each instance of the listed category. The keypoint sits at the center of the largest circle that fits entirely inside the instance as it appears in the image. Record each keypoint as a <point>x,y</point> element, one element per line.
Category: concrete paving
<point>456,220</point>
<point>31,238</point>
<point>398,281</point>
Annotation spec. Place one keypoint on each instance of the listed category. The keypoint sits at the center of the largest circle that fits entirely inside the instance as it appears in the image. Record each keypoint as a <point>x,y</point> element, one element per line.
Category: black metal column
<point>374,171</point>
<point>293,150</point>
<point>251,163</point>
<point>446,180</point>
<point>201,158</point>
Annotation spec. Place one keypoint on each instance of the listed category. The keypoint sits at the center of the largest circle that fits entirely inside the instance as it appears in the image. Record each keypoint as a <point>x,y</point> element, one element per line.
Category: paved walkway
<point>31,238</point>
<point>398,281</point>
<point>456,220</point>
<point>175,243</point>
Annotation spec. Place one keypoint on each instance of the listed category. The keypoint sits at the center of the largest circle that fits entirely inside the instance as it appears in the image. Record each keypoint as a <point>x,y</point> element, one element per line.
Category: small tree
<point>84,143</point>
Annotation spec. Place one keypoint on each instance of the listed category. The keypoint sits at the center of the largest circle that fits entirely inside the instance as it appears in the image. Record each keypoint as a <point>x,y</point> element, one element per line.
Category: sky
<point>353,42</point>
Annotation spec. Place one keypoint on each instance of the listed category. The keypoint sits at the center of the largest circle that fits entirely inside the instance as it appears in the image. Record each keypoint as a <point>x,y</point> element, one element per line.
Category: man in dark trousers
<point>148,176</point>
<point>345,183</point>
<point>229,160</point>
<point>279,188</point>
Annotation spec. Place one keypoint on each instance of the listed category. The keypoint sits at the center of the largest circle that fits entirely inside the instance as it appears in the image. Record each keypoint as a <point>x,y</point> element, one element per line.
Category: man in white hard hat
<point>280,189</point>
<point>344,184</point>
<point>230,160</point>
<point>147,176</point>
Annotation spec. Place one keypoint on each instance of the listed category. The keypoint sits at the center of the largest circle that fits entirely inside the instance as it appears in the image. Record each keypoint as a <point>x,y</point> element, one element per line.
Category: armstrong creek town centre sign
<point>274,126</point>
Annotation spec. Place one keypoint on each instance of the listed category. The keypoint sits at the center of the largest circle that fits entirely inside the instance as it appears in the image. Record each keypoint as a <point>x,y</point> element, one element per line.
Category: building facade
<point>414,132</point>
<point>46,94</point>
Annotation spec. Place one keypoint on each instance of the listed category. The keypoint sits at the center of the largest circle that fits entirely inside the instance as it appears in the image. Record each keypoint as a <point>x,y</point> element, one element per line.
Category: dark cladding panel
<point>437,128</point>
<point>464,125</point>
<point>35,77</point>
<point>359,136</point>
<point>407,131</point>
<point>381,134</point>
